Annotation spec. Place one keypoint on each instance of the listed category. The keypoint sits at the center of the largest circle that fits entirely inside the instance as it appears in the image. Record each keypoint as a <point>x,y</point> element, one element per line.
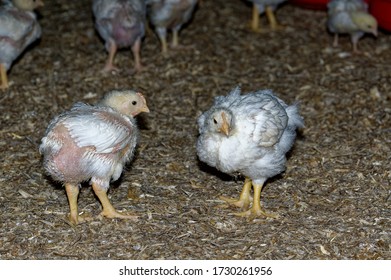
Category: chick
<point>350,17</point>
<point>248,134</point>
<point>93,143</point>
<point>18,29</point>
<point>268,7</point>
<point>169,14</point>
<point>121,24</point>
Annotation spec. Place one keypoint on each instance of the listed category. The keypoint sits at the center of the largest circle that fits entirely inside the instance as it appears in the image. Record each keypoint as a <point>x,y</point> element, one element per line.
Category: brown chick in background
<point>169,15</point>
<point>93,143</point>
<point>121,24</point>
<point>18,29</point>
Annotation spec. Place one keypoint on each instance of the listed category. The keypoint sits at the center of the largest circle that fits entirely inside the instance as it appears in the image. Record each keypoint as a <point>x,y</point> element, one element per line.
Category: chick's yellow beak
<point>225,127</point>
<point>145,108</point>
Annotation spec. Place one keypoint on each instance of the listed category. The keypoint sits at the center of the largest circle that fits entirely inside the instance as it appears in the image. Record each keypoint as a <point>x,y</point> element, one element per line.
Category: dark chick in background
<point>18,29</point>
<point>121,24</point>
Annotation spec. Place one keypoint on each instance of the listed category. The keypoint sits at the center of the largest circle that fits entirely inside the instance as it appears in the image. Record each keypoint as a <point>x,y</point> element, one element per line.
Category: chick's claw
<point>244,200</point>
<point>256,212</point>
<point>240,203</point>
<point>79,218</point>
<point>112,214</point>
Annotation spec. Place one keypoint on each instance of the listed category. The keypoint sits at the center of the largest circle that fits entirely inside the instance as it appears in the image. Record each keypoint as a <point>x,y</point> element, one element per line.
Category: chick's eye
<point>134,103</point>
<point>215,121</point>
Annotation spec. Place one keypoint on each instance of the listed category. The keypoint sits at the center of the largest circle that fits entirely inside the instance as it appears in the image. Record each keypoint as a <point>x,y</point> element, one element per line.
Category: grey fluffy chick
<point>121,24</point>
<point>248,134</point>
<point>93,143</point>
<point>350,17</point>
<point>18,29</point>
<point>169,15</point>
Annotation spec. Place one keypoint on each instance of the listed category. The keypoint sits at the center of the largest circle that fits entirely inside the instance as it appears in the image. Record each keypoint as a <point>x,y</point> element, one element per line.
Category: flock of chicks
<point>121,23</point>
<point>247,134</point>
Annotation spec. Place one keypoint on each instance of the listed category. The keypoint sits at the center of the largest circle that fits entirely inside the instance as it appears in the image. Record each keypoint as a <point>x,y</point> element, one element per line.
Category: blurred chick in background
<point>18,29</point>
<point>121,24</point>
<point>169,15</point>
<point>350,17</point>
<point>268,7</point>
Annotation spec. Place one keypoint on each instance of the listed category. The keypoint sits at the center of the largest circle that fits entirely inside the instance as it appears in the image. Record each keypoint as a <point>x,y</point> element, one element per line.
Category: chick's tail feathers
<point>294,118</point>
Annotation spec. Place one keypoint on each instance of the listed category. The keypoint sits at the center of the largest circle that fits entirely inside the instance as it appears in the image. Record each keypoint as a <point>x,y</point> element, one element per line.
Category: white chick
<point>18,29</point>
<point>169,15</point>
<point>93,143</point>
<point>121,24</point>
<point>248,134</point>
<point>350,17</point>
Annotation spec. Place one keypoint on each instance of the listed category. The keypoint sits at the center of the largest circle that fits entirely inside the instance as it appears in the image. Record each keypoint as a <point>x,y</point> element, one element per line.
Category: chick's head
<point>127,102</point>
<point>27,5</point>
<point>365,22</point>
<point>220,120</point>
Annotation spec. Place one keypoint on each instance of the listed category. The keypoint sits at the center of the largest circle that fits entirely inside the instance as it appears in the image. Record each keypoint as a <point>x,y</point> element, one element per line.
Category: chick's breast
<point>88,142</point>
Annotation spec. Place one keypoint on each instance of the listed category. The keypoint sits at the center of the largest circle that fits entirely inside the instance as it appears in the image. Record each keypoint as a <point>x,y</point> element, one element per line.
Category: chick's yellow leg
<point>272,19</point>
<point>244,200</point>
<point>3,76</point>
<point>335,42</point>
<point>110,60</point>
<point>72,194</point>
<point>175,38</point>
<point>354,44</point>
<point>255,25</point>
<point>256,209</point>
<point>108,209</point>
<point>163,41</point>
<point>136,49</point>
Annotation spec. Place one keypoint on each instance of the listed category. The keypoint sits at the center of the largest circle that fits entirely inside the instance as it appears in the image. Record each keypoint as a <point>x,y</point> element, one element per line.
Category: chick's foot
<point>108,209</point>
<point>274,25</point>
<point>114,214</point>
<point>244,200</point>
<point>254,213</point>
<point>256,210</point>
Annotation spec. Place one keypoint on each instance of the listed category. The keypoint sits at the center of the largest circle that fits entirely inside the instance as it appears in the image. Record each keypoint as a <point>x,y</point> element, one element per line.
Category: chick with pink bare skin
<point>93,143</point>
